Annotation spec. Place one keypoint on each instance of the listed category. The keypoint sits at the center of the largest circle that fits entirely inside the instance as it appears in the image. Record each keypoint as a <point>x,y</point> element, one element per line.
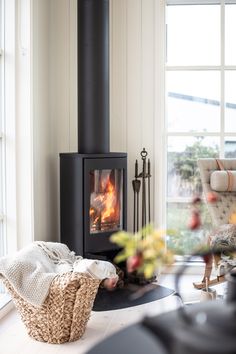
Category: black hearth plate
<point>121,298</point>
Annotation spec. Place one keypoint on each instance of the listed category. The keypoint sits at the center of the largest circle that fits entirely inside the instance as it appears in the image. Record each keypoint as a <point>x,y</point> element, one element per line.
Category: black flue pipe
<point>93,76</point>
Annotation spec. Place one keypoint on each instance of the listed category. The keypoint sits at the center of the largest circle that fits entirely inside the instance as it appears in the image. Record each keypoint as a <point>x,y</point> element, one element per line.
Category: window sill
<point>194,268</point>
<point>6,305</point>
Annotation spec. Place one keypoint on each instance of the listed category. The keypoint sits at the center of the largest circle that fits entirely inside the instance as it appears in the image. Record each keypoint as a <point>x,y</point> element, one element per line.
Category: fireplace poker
<point>136,169</point>
<point>133,184</point>
<point>139,185</point>
<point>136,187</point>
<point>149,191</point>
<point>144,155</point>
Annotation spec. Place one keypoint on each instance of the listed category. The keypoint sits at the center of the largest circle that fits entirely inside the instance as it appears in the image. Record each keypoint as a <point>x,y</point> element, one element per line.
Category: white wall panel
<point>147,83</point>
<point>59,94</point>
<point>54,105</point>
<point>133,83</point>
<point>63,91</point>
<point>41,120</point>
<point>118,75</point>
<point>73,75</point>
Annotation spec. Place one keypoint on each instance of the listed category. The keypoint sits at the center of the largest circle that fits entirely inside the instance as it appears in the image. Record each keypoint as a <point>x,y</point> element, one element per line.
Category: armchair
<point>221,210</point>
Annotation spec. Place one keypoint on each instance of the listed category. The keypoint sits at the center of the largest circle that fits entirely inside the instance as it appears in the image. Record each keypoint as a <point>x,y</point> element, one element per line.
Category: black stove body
<point>93,201</point>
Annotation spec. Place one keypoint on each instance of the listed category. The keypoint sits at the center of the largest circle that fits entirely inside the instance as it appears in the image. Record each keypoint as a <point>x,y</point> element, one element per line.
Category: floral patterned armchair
<point>219,177</point>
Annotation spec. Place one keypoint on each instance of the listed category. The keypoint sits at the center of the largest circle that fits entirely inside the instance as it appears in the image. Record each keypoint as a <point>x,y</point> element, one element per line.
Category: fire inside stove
<point>106,192</point>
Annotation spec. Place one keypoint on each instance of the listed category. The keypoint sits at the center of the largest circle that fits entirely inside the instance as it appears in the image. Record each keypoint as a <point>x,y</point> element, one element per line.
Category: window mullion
<point>2,142</point>
<point>196,133</point>
<point>198,2</point>
<point>193,67</point>
<point>198,68</point>
<point>222,89</point>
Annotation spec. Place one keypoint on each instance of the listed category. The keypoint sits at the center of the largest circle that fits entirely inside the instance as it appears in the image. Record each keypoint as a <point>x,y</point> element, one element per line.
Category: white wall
<point>133,96</point>
<point>132,83</point>
<point>42,150</point>
<point>63,90</point>
<point>137,91</point>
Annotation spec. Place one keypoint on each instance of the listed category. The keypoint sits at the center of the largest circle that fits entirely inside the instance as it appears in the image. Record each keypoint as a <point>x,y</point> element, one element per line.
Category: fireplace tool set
<point>142,182</point>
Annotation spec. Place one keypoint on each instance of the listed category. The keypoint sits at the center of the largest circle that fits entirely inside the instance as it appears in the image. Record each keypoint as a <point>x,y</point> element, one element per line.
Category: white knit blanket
<point>31,270</point>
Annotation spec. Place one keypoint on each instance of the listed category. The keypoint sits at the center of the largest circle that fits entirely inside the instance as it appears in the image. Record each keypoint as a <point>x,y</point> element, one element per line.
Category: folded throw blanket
<point>31,270</point>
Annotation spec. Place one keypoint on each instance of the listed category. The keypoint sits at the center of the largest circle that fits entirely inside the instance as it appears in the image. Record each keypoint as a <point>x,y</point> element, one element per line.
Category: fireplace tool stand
<point>142,181</point>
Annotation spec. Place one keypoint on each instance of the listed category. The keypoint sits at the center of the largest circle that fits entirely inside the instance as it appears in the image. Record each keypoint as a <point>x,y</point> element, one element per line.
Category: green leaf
<point>120,238</point>
<point>123,255</point>
<point>120,257</point>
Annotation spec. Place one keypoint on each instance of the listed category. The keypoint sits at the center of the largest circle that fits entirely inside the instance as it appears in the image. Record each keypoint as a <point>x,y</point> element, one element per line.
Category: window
<point>2,141</point>
<point>8,240</point>
<point>200,102</point>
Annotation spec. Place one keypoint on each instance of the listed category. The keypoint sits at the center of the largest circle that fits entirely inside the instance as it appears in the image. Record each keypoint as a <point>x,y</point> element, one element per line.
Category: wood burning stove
<point>93,182</point>
<point>93,201</point>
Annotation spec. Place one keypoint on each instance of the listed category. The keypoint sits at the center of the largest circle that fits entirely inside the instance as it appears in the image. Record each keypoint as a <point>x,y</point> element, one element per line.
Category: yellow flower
<point>148,245</point>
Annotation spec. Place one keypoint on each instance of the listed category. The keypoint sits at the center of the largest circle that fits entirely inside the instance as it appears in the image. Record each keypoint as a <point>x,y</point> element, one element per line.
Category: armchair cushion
<point>224,236</point>
<point>225,206</point>
<point>223,181</point>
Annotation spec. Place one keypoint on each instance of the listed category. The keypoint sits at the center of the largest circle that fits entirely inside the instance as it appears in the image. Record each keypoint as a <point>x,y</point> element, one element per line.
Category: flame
<point>91,212</point>
<point>105,208</point>
<point>109,202</point>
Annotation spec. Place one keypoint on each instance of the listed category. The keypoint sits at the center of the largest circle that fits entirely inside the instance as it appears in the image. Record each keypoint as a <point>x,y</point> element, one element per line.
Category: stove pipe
<point>93,76</point>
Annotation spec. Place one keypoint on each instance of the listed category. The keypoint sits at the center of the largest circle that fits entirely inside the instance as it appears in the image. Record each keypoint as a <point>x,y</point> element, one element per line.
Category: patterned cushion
<point>224,236</point>
<point>223,181</point>
<point>225,206</point>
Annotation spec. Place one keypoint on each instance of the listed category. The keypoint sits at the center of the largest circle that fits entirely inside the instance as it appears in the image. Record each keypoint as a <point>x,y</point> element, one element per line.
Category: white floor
<point>14,339</point>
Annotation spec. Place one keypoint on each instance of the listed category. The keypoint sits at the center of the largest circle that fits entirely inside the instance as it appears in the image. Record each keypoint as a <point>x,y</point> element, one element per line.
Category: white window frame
<point>222,68</point>
<point>10,125</point>
<point>2,137</point>
<point>159,113</point>
<point>18,135</point>
<point>161,132</point>
<point>8,138</point>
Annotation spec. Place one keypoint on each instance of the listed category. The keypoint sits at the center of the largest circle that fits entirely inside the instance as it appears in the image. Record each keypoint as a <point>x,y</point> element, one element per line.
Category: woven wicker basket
<point>64,315</point>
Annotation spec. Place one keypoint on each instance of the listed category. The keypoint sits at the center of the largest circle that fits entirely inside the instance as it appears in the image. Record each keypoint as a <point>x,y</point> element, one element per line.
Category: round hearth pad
<point>129,296</point>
